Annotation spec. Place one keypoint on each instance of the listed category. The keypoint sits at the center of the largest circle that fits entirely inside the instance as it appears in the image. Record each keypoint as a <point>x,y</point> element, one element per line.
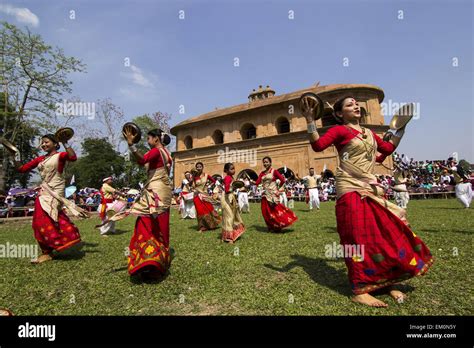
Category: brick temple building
<point>270,125</point>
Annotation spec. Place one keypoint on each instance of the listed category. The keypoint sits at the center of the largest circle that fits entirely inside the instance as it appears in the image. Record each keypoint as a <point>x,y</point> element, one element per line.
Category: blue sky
<point>190,62</point>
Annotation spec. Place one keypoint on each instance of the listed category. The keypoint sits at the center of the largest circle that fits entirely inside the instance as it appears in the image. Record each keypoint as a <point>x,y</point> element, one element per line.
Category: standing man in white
<point>311,182</point>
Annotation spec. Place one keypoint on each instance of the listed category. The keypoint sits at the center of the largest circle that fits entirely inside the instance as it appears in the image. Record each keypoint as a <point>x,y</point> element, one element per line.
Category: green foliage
<point>34,77</point>
<point>98,161</point>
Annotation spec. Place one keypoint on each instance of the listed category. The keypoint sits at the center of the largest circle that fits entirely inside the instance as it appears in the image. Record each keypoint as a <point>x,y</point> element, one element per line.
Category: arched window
<point>188,142</point>
<point>218,137</point>
<point>283,125</point>
<point>248,131</point>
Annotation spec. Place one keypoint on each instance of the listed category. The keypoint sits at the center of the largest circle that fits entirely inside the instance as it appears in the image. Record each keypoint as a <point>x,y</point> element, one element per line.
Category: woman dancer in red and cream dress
<point>232,224</point>
<point>53,229</point>
<point>149,247</point>
<point>275,214</point>
<point>392,252</point>
<point>207,216</point>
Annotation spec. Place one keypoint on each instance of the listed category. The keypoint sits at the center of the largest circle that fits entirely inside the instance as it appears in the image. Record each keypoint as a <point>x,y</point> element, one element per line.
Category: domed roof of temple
<point>266,96</point>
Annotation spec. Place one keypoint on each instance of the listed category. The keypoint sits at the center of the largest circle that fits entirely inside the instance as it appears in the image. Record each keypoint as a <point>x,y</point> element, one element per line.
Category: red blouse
<point>227,182</point>
<point>276,175</point>
<point>210,178</point>
<point>340,136</point>
<point>63,157</point>
<point>154,159</point>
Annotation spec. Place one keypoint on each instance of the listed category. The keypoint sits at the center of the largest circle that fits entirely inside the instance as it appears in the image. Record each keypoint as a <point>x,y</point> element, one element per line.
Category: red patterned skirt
<point>207,216</point>
<point>53,235</point>
<point>391,251</point>
<point>277,216</point>
<point>149,246</point>
<point>232,236</point>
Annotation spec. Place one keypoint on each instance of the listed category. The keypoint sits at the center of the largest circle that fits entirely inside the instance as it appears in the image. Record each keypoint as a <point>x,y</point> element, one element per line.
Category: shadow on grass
<point>119,232</point>
<point>148,277</point>
<point>71,254</point>
<point>330,229</point>
<point>320,271</point>
<point>264,229</point>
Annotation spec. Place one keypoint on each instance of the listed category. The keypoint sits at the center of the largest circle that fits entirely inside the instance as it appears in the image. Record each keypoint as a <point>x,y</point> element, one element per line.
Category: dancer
<point>400,188</point>
<point>275,214</point>
<point>311,183</point>
<point>208,218</point>
<point>243,196</point>
<point>53,229</point>
<point>188,211</point>
<point>149,247</point>
<point>232,224</point>
<point>393,252</point>
<point>107,193</point>
<point>463,187</point>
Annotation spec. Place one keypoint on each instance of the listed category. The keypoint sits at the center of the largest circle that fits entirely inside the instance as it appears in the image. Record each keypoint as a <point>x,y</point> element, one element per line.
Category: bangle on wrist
<point>133,148</point>
<point>312,128</point>
<point>66,145</point>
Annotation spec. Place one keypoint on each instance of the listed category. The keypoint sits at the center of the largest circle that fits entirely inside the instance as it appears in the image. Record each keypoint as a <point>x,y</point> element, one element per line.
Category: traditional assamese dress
<point>52,227</point>
<point>400,192</point>
<point>464,193</point>
<point>107,197</point>
<point>232,224</point>
<point>187,204</point>
<point>275,214</point>
<point>392,252</point>
<point>207,216</point>
<point>149,246</point>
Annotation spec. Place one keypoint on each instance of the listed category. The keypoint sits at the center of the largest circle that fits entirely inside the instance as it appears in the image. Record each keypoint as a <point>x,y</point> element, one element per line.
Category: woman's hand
<point>308,106</point>
<point>128,135</point>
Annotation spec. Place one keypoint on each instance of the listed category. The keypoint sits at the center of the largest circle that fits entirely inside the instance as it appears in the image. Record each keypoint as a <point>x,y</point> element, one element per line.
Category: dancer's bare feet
<point>42,258</point>
<point>397,295</point>
<point>369,300</point>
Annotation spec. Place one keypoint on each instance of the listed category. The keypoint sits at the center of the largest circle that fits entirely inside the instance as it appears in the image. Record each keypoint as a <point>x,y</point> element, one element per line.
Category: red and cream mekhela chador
<point>207,216</point>
<point>52,227</point>
<point>149,246</point>
<point>232,224</point>
<point>392,252</point>
<point>107,197</point>
<point>275,214</point>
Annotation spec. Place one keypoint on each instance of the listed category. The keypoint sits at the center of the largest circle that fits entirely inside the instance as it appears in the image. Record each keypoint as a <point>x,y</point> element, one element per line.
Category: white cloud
<point>138,78</point>
<point>21,14</point>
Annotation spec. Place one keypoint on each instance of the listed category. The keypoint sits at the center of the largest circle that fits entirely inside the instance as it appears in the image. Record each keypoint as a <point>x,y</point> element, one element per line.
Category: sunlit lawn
<point>208,277</point>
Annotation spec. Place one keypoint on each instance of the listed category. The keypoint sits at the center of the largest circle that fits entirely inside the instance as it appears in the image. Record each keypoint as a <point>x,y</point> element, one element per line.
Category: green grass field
<point>208,277</point>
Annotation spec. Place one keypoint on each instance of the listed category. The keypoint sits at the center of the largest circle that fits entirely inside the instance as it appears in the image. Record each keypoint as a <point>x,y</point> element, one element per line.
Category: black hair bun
<point>166,139</point>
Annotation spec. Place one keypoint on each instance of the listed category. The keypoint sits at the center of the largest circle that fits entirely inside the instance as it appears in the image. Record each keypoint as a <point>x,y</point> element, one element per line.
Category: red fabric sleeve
<point>380,158</point>
<point>30,165</point>
<point>277,175</point>
<point>153,158</point>
<point>259,180</point>
<point>211,179</point>
<point>334,135</point>
<point>63,157</point>
<point>227,181</point>
<point>384,147</point>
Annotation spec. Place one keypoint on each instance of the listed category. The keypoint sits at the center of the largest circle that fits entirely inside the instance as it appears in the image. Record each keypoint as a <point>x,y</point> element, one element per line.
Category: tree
<point>25,137</point>
<point>99,160</point>
<point>34,79</point>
